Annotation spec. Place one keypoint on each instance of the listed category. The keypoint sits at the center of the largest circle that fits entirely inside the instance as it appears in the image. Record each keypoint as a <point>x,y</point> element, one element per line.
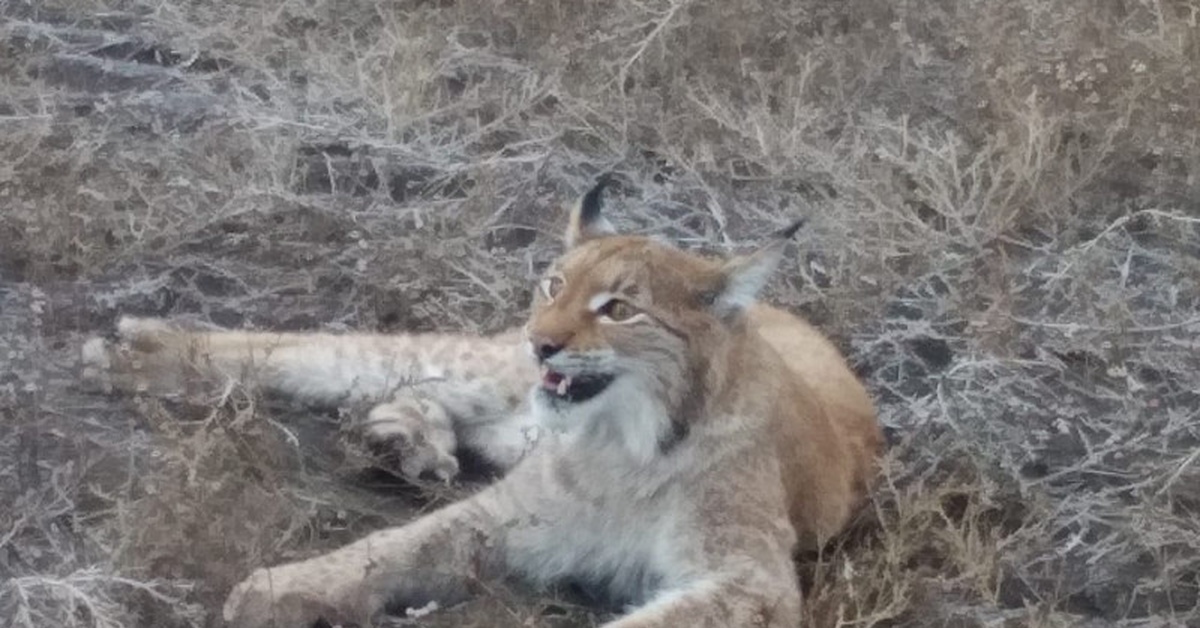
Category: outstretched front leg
<point>435,558</point>
<point>732,600</point>
<point>163,358</point>
<point>731,559</point>
<point>440,391</point>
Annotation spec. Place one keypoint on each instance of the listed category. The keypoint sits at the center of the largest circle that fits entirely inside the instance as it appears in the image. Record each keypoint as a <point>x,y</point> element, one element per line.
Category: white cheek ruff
<point>625,415</point>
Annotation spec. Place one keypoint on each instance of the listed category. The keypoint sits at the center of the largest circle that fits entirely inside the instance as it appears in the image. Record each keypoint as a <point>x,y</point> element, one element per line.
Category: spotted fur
<point>671,441</point>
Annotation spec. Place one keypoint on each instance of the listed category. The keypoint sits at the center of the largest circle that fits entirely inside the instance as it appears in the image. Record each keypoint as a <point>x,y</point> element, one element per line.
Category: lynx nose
<point>544,348</point>
<point>547,343</point>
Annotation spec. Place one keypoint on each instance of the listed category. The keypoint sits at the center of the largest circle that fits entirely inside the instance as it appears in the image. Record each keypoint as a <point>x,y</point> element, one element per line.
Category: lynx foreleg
<point>435,558</point>
<point>163,358</point>
<point>424,425</point>
<point>444,390</point>
<point>743,601</point>
<point>413,433</point>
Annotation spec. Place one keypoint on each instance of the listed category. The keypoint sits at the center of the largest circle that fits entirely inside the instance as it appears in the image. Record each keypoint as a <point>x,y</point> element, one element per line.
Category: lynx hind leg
<point>414,434</point>
<point>148,356</point>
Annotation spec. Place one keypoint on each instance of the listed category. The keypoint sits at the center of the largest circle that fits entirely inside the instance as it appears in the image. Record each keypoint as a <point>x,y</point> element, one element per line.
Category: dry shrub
<point>228,461</point>
<point>1002,235</point>
<point>946,524</point>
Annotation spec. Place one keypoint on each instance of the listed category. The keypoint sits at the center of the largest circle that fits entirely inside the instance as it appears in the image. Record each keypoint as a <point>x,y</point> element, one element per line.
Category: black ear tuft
<point>586,221</point>
<point>593,201</point>
<point>746,275</point>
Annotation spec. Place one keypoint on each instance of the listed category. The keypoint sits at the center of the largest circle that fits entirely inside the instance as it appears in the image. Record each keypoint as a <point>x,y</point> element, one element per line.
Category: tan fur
<point>730,433</point>
<point>828,433</point>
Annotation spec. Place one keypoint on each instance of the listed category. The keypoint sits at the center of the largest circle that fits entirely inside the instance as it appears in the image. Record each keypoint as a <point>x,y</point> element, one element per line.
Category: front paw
<point>137,361</point>
<point>148,356</point>
<point>289,597</point>
<point>414,434</point>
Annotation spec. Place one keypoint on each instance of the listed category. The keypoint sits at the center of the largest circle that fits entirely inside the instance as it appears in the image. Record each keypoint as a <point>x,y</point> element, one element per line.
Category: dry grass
<point>1003,234</point>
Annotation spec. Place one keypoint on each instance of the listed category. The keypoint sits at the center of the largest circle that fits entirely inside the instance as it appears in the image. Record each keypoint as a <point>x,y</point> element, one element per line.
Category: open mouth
<point>573,388</point>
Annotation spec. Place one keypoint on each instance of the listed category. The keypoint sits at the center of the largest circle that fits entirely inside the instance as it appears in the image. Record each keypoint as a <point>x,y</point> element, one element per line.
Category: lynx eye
<point>617,310</point>
<point>551,286</point>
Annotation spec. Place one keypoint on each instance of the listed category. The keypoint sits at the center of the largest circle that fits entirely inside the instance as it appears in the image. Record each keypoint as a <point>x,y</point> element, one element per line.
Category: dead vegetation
<point>1003,234</point>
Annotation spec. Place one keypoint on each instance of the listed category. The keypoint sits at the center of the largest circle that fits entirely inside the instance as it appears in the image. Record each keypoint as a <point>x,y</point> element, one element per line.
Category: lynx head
<point>626,329</point>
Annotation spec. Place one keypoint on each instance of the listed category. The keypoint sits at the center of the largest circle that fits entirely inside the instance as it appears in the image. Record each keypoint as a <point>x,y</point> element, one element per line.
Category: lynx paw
<point>138,361</point>
<point>414,433</point>
<point>292,595</point>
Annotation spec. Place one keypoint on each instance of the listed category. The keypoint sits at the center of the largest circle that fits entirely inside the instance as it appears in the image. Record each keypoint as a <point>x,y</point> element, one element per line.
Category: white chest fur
<point>581,516</point>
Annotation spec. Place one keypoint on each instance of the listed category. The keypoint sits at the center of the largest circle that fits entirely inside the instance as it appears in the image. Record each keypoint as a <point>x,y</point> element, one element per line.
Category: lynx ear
<point>742,278</point>
<point>586,221</point>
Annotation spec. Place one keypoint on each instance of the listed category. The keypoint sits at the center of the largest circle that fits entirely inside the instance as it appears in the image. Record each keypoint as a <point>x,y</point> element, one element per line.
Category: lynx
<point>667,440</point>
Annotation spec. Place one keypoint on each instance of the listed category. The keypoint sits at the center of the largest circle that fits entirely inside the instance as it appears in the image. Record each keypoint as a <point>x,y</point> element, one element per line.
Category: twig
<point>1072,328</point>
<point>1117,224</point>
<point>644,44</point>
<point>1187,462</point>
